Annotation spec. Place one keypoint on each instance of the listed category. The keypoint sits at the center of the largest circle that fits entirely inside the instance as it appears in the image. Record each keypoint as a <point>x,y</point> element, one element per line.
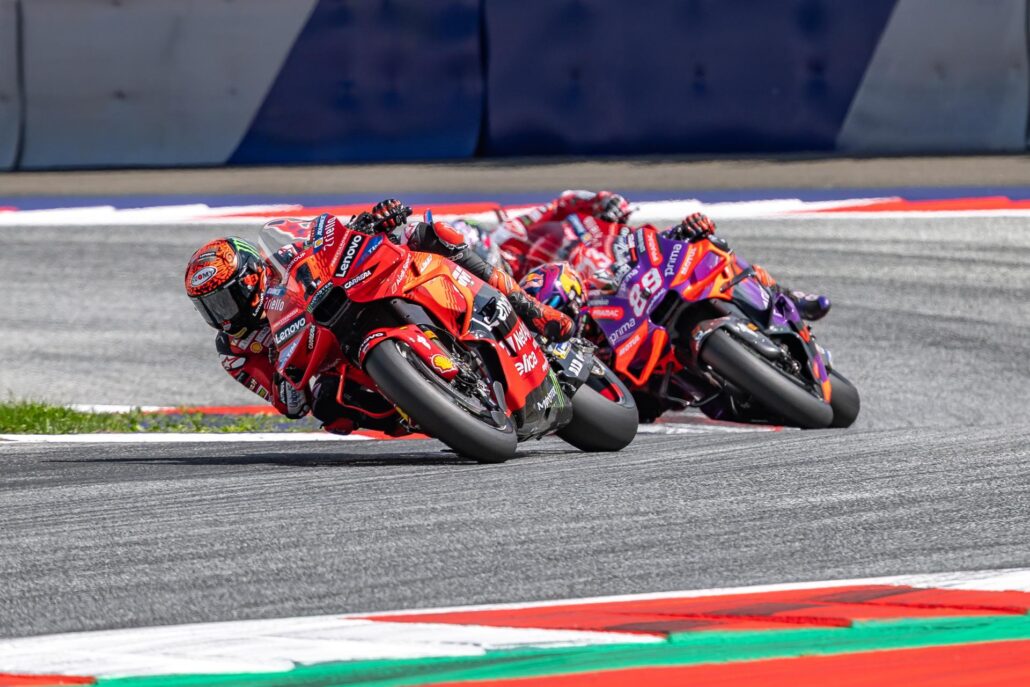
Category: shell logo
<point>442,362</point>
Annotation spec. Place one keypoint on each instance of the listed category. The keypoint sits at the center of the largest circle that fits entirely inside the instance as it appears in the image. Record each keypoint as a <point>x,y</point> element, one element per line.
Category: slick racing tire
<point>772,388</point>
<point>844,401</point>
<point>441,410</point>
<point>604,415</point>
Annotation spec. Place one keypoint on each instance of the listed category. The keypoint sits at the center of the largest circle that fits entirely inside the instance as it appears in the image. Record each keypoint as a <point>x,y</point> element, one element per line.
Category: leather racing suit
<point>248,356</point>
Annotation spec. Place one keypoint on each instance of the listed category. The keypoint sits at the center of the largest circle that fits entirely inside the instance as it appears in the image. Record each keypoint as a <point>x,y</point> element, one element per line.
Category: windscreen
<point>279,239</point>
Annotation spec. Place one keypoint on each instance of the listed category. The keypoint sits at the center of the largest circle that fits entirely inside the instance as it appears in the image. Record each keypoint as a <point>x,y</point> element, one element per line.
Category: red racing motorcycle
<point>414,336</point>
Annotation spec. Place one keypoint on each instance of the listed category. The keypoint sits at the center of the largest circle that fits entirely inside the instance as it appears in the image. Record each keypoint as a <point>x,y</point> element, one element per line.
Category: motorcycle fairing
<point>694,271</point>
<point>369,268</point>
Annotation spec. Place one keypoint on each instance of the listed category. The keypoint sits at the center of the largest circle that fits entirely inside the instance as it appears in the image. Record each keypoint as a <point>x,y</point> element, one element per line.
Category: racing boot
<point>541,318</point>
<point>812,306</point>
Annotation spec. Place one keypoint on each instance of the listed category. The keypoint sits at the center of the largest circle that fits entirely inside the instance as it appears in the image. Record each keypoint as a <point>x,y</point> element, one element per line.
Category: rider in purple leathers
<point>534,238</point>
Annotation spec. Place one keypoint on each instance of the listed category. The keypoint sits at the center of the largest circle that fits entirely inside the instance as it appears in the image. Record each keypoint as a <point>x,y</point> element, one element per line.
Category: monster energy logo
<point>243,247</point>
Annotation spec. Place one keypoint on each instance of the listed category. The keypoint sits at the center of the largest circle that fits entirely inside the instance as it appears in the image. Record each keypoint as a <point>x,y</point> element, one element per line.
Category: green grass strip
<point>694,648</point>
<point>30,417</point>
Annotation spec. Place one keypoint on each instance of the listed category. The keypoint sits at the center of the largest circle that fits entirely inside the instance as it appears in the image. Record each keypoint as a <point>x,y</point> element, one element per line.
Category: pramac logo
<point>203,275</point>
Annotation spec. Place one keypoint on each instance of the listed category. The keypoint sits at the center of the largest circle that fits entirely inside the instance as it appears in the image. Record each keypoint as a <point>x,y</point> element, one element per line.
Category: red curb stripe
<point>12,680</point>
<point>940,205</point>
<point>998,664</point>
<point>821,607</point>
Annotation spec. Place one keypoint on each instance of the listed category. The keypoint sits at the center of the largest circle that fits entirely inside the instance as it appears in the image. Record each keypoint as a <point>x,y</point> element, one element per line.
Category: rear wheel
<point>844,400</point>
<point>460,420</point>
<point>604,415</point>
<point>772,388</point>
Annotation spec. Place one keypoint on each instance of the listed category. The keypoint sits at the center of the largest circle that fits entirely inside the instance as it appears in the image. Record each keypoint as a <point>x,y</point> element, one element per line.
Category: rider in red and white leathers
<point>226,279</point>
<point>563,230</point>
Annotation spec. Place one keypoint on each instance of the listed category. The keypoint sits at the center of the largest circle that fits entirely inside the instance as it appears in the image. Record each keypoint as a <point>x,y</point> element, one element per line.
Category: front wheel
<point>772,388</point>
<point>457,419</point>
<point>844,400</point>
<point>604,415</point>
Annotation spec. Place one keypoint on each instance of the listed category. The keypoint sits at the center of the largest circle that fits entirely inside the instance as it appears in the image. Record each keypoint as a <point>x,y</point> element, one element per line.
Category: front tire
<point>604,415</point>
<point>436,407</point>
<point>771,388</point>
<point>844,400</point>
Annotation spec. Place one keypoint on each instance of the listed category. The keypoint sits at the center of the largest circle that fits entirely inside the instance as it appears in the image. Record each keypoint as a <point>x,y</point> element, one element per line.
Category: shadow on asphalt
<point>315,460</point>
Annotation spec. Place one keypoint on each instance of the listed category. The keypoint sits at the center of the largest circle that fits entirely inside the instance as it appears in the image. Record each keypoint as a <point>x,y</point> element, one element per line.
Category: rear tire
<point>436,411</point>
<point>844,400</point>
<point>770,387</point>
<point>598,422</point>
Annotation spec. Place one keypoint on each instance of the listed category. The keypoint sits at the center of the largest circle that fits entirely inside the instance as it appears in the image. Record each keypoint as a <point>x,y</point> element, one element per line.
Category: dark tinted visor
<point>220,306</point>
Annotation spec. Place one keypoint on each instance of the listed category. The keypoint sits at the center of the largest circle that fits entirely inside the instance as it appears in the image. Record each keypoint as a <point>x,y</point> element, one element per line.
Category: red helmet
<point>225,279</point>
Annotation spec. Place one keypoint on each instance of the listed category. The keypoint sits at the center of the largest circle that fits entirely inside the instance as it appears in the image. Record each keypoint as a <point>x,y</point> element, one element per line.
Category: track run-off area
<point>931,321</point>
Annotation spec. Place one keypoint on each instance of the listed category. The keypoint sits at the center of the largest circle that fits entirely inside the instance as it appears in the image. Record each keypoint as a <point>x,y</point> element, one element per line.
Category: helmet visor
<point>220,306</point>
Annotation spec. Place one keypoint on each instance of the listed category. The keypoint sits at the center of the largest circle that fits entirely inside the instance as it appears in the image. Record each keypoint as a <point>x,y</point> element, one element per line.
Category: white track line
<point>658,212</point>
<point>178,438</point>
<point>1004,579</point>
<point>284,643</point>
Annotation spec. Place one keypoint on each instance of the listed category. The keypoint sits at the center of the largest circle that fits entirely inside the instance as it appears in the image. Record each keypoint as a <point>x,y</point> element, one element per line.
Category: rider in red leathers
<point>226,280</point>
<point>564,230</point>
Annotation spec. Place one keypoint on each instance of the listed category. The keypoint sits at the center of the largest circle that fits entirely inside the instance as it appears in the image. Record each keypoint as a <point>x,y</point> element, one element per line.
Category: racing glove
<point>611,207</point>
<point>389,214</point>
<point>289,401</point>
<point>693,227</point>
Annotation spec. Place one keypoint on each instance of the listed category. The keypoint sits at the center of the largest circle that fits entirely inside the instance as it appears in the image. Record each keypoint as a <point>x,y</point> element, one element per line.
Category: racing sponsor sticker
<point>442,362</point>
<point>358,279</point>
<point>324,233</point>
<point>203,275</point>
<point>632,343</point>
<point>355,242</point>
<point>290,329</point>
<point>367,343</point>
<point>370,248</point>
<point>685,268</point>
<point>654,253</point>
<point>623,330</point>
<point>529,362</point>
<point>319,295</point>
<point>607,312</point>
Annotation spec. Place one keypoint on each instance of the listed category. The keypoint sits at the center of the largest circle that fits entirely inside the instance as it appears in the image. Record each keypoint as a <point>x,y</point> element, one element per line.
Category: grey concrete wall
<point>947,76</point>
<point>149,82</point>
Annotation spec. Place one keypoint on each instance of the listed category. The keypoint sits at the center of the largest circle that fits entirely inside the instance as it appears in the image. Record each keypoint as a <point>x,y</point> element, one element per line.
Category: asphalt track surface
<point>931,320</point>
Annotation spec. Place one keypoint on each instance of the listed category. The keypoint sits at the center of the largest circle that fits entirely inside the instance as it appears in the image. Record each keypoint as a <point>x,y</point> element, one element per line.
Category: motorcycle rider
<point>226,281</point>
<point>538,237</point>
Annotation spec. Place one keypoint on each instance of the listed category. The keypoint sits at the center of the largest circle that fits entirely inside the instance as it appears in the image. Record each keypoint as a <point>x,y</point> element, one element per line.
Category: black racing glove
<point>365,223</point>
<point>390,214</point>
<point>692,228</point>
<point>611,207</point>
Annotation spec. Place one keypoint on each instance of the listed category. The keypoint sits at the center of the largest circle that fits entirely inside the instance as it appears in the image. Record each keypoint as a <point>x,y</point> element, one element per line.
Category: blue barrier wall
<point>661,76</point>
<point>375,80</point>
<point>95,83</point>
